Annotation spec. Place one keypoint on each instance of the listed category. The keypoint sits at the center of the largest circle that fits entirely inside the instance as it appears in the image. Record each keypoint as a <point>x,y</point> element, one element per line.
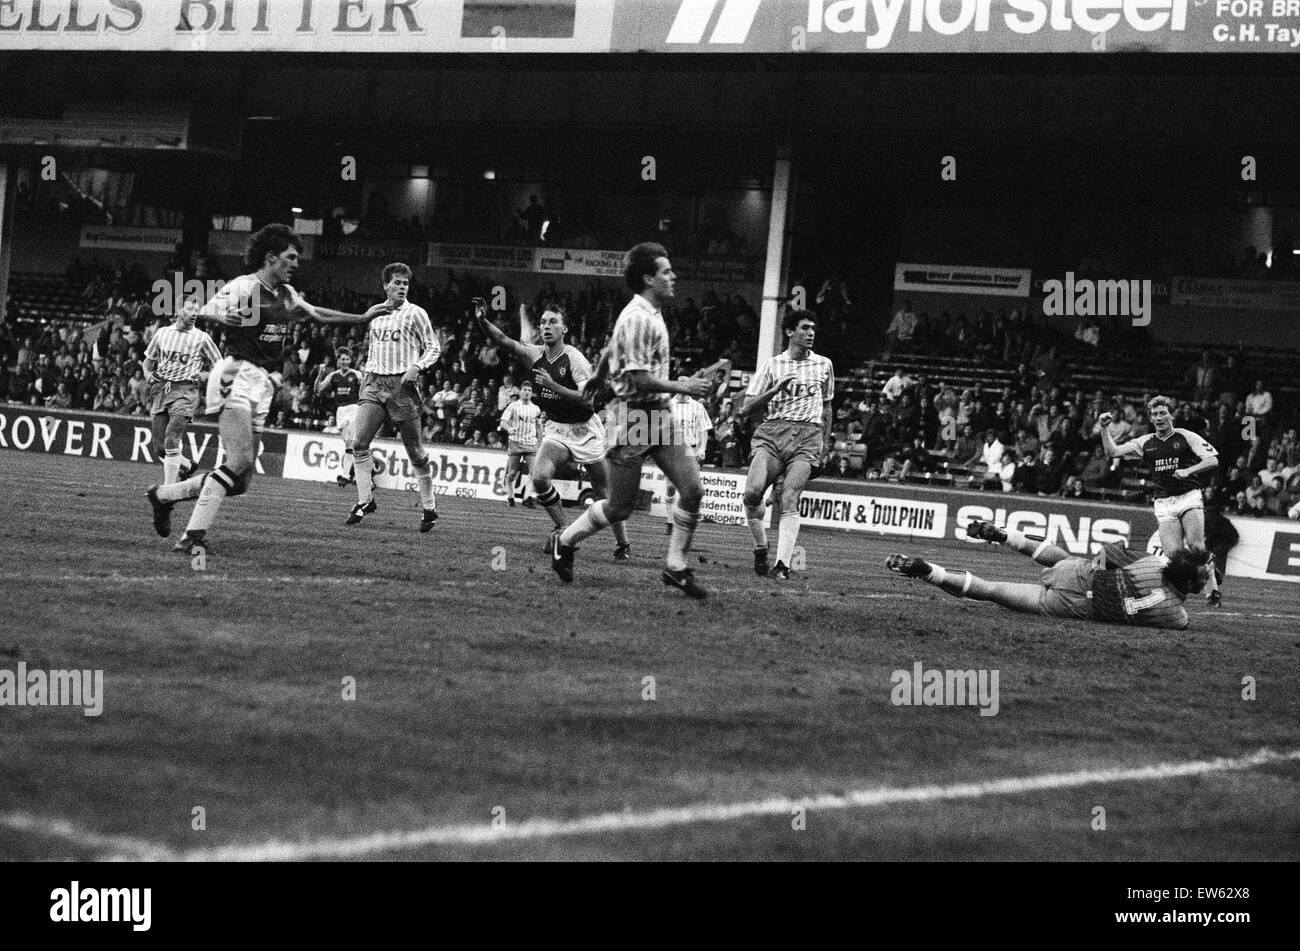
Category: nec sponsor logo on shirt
<point>881,20</point>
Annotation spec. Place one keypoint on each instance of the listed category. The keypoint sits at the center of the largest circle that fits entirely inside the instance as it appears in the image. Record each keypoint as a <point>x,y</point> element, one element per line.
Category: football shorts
<point>1172,508</point>
<point>346,419</point>
<point>238,384</point>
<point>585,442</point>
<point>787,440</point>
<point>1065,589</point>
<point>175,398</point>
<point>402,402</point>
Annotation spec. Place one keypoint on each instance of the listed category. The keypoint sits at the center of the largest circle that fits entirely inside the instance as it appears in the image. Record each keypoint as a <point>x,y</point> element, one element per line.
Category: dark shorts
<point>175,399</point>
<point>518,455</point>
<point>787,441</point>
<point>1065,589</point>
<point>402,403</point>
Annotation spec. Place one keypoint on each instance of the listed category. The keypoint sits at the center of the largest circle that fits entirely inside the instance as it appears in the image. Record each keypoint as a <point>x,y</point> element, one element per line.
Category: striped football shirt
<point>181,355</point>
<point>401,340</point>
<point>691,419</point>
<point>803,400</point>
<point>1156,604</point>
<point>639,342</point>
<point>520,421</point>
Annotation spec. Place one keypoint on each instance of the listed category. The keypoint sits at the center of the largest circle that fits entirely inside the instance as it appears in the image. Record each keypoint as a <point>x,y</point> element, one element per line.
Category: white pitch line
<point>123,847</point>
<point>485,834</point>
<point>200,577</point>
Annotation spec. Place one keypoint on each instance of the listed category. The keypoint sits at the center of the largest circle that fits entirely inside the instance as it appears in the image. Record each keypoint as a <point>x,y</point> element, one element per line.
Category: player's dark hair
<point>555,308</point>
<point>790,322</point>
<point>640,263</point>
<point>527,383</point>
<point>273,239</point>
<point>1183,571</point>
<point>1164,401</point>
<point>397,268</point>
<point>342,350</point>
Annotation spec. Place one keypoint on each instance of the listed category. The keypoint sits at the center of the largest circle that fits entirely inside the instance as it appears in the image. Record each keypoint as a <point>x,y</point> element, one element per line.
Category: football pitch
<point>498,714</point>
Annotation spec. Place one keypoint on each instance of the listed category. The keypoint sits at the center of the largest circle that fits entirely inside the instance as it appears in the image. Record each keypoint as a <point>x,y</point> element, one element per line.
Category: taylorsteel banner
<point>672,26</point>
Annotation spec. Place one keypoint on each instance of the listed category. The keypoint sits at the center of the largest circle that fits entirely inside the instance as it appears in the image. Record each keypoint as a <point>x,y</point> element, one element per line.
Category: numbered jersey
<point>1181,449</point>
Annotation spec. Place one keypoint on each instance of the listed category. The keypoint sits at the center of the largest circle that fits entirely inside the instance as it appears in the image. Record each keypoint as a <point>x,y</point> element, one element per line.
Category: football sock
<point>960,584</point>
<point>550,500</point>
<point>620,532</point>
<point>586,524</point>
<point>210,499</point>
<point>172,462</point>
<point>364,476</point>
<point>1212,583</point>
<point>1040,550</point>
<point>680,542</point>
<point>789,535</point>
<point>424,477</point>
<point>756,518</point>
<point>176,491</point>
<point>352,465</point>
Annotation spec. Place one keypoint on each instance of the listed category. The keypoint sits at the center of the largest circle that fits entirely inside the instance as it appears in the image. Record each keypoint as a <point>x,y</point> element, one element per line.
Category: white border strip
<point>483,834</point>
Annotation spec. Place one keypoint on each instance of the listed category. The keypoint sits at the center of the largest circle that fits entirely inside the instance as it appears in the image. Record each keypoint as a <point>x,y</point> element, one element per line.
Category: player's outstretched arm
<point>497,335</point>
<point>325,315</point>
<point>643,382</point>
<point>1129,450</point>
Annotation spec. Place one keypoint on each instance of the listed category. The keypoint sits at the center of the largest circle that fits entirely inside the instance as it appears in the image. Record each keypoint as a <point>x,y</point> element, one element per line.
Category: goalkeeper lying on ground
<point>1118,586</point>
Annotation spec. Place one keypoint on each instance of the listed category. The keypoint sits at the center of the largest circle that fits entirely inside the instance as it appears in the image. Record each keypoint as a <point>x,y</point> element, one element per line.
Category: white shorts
<point>1171,509</point>
<point>346,419</point>
<point>585,442</point>
<point>240,385</point>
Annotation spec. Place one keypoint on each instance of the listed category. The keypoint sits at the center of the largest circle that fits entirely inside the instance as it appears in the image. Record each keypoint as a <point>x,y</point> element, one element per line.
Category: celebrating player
<point>175,361</point>
<point>572,432</point>
<point>1118,586</point>
<point>342,387</point>
<point>1176,457</point>
<point>692,421</point>
<point>258,311</point>
<point>797,387</point>
<point>522,424</point>
<point>402,344</point>
<point>637,361</point>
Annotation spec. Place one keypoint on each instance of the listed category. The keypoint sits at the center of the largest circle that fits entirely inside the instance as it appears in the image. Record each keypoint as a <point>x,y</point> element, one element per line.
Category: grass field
<point>482,692</point>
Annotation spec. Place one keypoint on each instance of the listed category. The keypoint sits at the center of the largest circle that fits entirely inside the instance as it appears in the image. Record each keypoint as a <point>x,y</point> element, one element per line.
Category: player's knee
<point>233,478</point>
<point>790,500</point>
<point>617,511</point>
<point>689,498</point>
<point>753,499</point>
